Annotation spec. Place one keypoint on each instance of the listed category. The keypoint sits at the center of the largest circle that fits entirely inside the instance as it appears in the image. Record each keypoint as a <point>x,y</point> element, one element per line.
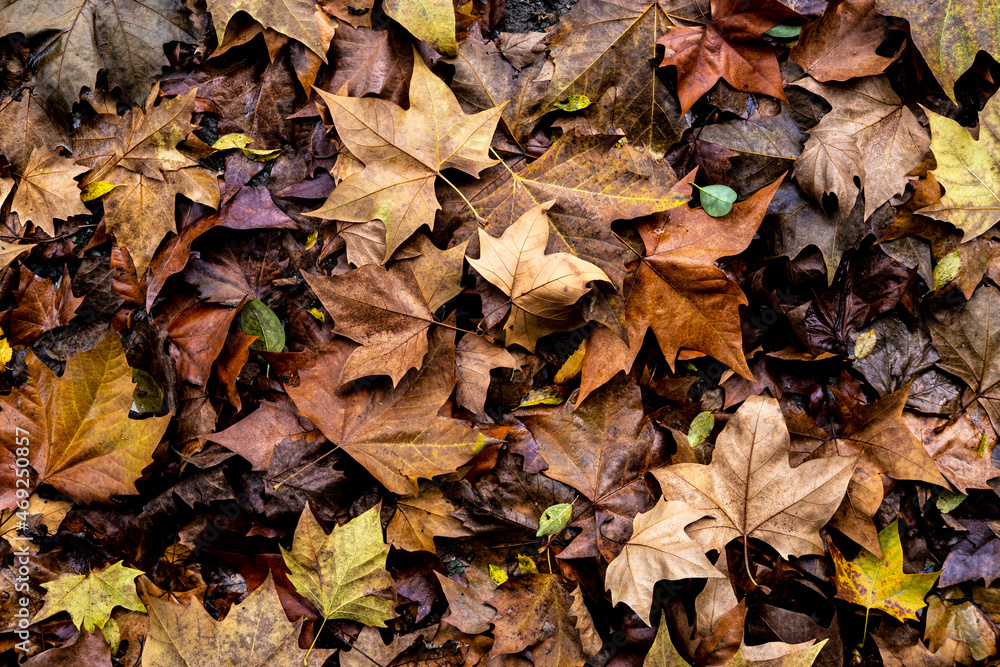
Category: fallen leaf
<point>888,137</point>
<point>90,598</point>
<point>750,456</point>
<point>948,35</point>
<point>397,184</point>
<point>966,342</point>
<point>420,519</point>
<point>876,582</point>
<point>302,20</point>
<point>961,625</point>
<point>394,432</point>
<point>540,286</point>
<point>475,357</point>
<point>341,573</point>
<point>968,170</point>
<point>658,549</point>
<point>842,44</point>
<point>255,633</point>
<point>430,21</point>
<point>84,443</point>
<point>125,39</point>
<point>527,603</point>
<point>727,46</point>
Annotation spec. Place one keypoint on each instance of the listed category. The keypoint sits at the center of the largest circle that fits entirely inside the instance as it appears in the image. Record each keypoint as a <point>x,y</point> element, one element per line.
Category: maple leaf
<point>302,20</point>
<point>401,158</point>
<point>948,34</point>
<point>605,51</point>
<point>658,549</point>
<point>727,47</point>
<point>90,598</point>
<point>46,188</point>
<point>85,445</point>
<point>603,449</point>
<point>750,490</point>
<point>124,38</point>
<point>540,286</point>
<point>877,435</point>
<point>888,136</point>
<point>968,170</point>
<point>534,610</point>
<point>419,520</point>
<point>137,153</point>
<point>390,310</point>
<point>967,343</point>
<point>593,183</point>
<point>256,436</point>
<point>41,306</point>
<point>679,293</point>
<point>340,573</point>
<point>879,582</point>
<point>431,21</point>
<point>484,79</point>
<point>394,432</point>
<point>467,608</point>
<point>842,44</point>
<point>255,633</point>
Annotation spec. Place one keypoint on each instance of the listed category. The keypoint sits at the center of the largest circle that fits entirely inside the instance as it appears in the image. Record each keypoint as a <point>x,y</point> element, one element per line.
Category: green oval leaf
<point>554,519</point>
<point>258,320</point>
<point>574,103</point>
<point>785,31</point>
<point>717,200</point>
<point>701,428</point>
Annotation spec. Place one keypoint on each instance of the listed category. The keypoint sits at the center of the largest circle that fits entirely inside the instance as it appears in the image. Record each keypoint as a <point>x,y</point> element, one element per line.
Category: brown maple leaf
<point>877,435</point>
<point>394,432</point>
<point>390,310</point>
<point>727,47</point>
<point>603,449</point>
<point>403,152</point>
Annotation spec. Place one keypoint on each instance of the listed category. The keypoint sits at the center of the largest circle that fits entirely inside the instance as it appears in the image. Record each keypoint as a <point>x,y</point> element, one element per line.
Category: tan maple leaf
<point>404,152</point>
<point>302,20</point>
<point>540,286</point>
<point>658,549</point>
<point>137,153</point>
<point>750,490</point>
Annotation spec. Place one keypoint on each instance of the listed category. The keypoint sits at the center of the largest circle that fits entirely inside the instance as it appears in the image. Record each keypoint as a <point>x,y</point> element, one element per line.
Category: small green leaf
<point>147,396</point>
<point>947,269</point>
<point>701,428</point>
<point>498,575</point>
<point>258,320</point>
<point>574,103</point>
<point>785,31</point>
<point>949,500</point>
<point>984,445</point>
<point>90,598</point>
<point>717,200</point>
<point>554,519</point>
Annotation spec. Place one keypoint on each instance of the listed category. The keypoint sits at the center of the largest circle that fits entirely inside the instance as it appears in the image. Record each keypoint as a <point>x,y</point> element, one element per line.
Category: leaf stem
<point>305,660</point>
<point>746,561</point>
<point>479,218</point>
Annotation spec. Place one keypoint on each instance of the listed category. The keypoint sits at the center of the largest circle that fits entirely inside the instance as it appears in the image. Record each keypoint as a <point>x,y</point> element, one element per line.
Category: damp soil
<point>533,15</point>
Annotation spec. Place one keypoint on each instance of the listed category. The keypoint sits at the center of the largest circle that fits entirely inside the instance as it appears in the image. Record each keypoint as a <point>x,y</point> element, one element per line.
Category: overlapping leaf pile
<point>389,333</point>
